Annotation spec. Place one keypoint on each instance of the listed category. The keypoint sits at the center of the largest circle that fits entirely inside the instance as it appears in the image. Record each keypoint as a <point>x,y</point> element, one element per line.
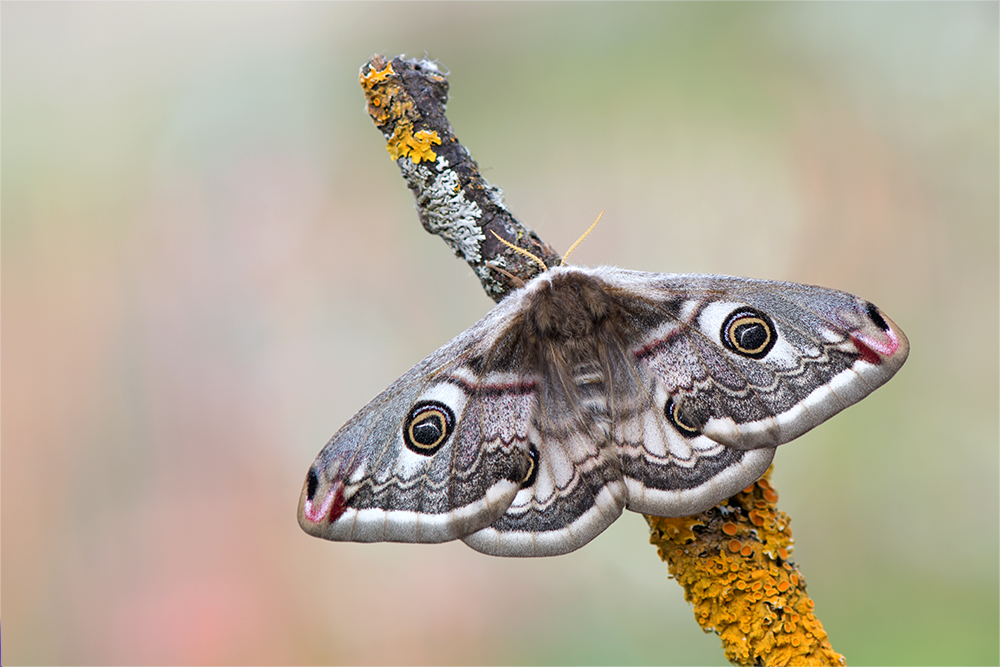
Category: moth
<point>593,390</point>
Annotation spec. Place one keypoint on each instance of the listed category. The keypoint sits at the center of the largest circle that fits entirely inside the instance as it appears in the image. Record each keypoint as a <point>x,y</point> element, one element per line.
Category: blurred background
<point>209,263</point>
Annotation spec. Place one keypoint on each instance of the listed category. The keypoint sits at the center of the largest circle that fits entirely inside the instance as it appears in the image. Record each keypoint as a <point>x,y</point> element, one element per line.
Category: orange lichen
<point>379,86</point>
<point>735,571</point>
<point>414,145</point>
<point>679,529</point>
<point>376,75</point>
<point>390,106</point>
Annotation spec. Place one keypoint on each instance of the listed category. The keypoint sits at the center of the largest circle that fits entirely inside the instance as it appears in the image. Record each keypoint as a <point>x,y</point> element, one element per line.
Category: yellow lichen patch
<point>380,87</point>
<point>677,529</point>
<point>375,76</point>
<point>390,106</point>
<point>414,145</point>
<point>736,573</point>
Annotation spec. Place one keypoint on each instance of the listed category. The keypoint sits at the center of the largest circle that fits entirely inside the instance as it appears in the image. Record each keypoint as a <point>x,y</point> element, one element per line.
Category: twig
<point>731,560</point>
<point>406,99</point>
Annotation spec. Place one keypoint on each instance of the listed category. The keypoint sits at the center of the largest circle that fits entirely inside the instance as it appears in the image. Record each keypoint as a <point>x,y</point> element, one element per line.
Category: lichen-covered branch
<point>733,560</point>
<point>407,99</point>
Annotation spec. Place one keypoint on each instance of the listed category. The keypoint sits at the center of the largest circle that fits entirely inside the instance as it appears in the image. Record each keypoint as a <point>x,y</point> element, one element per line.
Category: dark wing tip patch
<point>876,316</point>
<point>312,482</point>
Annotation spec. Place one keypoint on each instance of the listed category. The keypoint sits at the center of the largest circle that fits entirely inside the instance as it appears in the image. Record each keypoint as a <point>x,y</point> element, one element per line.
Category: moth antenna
<point>517,281</point>
<point>520,250</point>
<point>580,240</point>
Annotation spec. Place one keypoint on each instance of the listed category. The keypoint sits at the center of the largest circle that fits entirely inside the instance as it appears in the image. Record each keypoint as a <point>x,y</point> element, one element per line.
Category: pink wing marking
<point>872,348</point>
<point>332,507</point>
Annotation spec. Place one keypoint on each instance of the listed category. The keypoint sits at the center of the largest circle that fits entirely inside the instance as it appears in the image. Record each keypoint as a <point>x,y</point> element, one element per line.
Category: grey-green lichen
<point>444,208</point>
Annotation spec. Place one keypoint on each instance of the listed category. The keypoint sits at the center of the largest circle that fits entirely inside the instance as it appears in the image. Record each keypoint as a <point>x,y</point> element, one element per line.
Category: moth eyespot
<point>427,427</point>
<point>529,477</point>
<point>875,315</point>
<point>749,333</point>
<point>672,411</point>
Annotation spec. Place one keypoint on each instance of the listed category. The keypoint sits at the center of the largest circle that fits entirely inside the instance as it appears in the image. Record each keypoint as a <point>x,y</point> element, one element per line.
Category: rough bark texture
<point>407,99</point>
<point>733,560</point>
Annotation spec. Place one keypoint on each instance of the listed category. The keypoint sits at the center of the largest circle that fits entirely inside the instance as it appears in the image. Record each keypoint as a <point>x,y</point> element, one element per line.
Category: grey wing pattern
<point>729,368</point>
<point>438,455</point>
<point>576,488</point>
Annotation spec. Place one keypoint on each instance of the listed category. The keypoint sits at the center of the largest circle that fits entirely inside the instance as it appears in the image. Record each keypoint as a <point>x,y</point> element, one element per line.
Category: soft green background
<point>209,263</point>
